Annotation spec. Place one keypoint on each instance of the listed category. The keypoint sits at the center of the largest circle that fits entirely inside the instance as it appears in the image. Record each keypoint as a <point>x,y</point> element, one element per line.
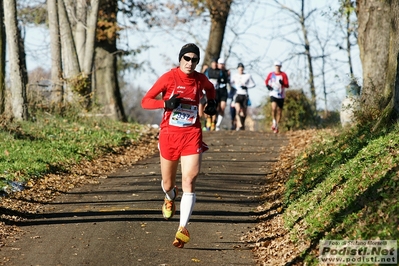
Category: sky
<point>258,33</point>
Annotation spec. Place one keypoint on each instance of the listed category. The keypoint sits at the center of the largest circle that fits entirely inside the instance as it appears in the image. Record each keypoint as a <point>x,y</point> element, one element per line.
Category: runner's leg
<point>274,114</point>
<point>238,119</point>
<point>222,107</point>
<point>243,116</point>
<point>168,171</point>
<point>278,115</point>
<point>190,167</point>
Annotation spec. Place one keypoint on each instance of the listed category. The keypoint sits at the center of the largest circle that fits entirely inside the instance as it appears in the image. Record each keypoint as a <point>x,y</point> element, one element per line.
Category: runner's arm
<point>285,81</point>
<point>209,89</point>
<point>268,79</point>
<point>250,82</point>
<point>151,99</point>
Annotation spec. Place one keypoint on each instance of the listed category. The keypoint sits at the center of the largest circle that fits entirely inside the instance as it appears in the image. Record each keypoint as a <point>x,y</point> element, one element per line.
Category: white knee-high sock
<point>187,203</point>
<point>171,194</point>
<point>220,118</point>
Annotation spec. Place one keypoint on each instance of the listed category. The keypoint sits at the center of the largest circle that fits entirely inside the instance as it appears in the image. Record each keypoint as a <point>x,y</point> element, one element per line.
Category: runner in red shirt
<point>277,82</point>
<point>180,135</point>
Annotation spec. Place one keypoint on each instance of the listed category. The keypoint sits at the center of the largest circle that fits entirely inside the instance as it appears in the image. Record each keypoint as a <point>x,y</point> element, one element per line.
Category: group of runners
<point>185,96</point>
<point>235,89</point>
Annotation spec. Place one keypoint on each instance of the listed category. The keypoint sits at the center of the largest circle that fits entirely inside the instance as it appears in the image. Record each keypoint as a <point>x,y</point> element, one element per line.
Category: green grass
<point>31,149</point>
<point>346,187</point>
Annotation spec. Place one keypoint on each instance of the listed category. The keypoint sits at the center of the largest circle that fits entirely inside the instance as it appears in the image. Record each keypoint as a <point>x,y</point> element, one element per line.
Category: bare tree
<point>347,9</point>
<point>107,93</point>
<point>215,12</point>
<point>219,11</point>
<point>324,55</point>
<point>77,31</point>
<point>18,87</point>
<point>83,16</point>
<point>302,18</point>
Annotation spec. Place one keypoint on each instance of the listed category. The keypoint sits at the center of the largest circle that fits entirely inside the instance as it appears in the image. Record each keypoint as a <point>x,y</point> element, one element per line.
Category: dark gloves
<point>244,87</point>
<point>270,88</point>
<point>210,108</point>
<point>281,81</point>
<point>173,102</point>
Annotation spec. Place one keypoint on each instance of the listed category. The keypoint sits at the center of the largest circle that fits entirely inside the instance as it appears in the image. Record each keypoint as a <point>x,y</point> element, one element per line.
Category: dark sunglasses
<point>192,59</point>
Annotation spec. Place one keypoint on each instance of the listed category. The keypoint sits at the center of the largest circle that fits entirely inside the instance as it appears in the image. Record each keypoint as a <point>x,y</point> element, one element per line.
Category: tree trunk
<point>69,57</point>
<point>106,94</point>
<point>18,90</point>
<point>80,31</point>
<point>106,88</point>
<point>219,12</point>
<point>394,69</point>
<point>348,42</point>
<point>90,37</point>
<point>56,60</point>
<point>391,88</point>
<point>79,51</point>
<point>85,34</point>
<point>22,57</point>
<point>379,53</point>
<point>301,17</point>
<point>302,20</point>
<point>374,18</point>
<point>2,61</point>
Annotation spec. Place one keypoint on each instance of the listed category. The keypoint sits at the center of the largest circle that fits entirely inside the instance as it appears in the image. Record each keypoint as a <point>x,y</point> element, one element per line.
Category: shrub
<point>297,112</point>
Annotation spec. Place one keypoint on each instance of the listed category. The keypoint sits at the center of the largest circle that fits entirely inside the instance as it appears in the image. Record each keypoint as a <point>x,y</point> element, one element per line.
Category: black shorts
<point>221,95</point>
<point>242,100</point>
<point>279,101</point>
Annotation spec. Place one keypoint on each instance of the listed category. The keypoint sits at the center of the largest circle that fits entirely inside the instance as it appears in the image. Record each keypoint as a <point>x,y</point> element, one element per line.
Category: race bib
<point>183,116</point>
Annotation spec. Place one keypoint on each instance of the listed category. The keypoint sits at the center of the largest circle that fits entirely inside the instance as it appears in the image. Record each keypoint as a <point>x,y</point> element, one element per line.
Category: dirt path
<point>118,221</point>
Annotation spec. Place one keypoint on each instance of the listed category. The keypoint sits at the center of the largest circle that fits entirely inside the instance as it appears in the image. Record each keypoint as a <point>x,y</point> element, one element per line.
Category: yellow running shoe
<point>213,127</point>
<point>182,237</point>
<point>208,123</point>
<point>169,207</point>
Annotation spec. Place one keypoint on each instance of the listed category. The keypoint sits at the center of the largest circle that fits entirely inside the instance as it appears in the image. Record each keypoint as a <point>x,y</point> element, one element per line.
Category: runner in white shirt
<point>241,82</point>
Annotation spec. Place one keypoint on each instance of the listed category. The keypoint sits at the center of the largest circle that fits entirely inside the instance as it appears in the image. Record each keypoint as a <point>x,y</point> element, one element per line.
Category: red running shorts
<point>173,146</point>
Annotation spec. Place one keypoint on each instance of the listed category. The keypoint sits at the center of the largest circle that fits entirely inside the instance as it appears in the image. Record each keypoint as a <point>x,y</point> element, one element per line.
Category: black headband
<point>191,48</point>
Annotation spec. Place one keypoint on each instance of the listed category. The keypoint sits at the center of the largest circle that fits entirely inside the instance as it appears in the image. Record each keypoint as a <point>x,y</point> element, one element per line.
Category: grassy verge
<point>345,187</point>
<point>31,149</point>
